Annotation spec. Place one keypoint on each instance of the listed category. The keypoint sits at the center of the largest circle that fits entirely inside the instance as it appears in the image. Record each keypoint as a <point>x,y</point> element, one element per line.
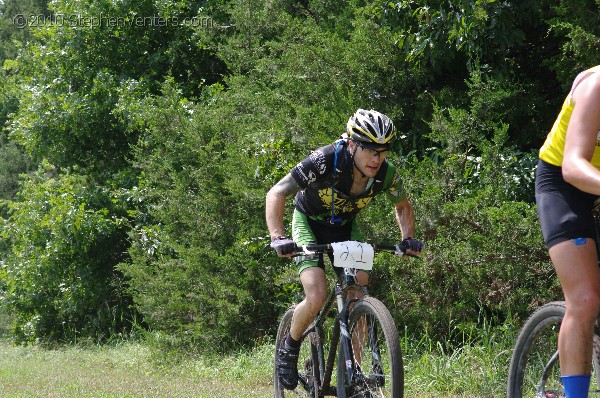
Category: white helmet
<point>371,128</point>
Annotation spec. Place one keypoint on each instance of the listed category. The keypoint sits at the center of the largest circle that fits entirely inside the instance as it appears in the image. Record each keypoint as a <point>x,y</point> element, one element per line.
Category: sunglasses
<point>374,152</point>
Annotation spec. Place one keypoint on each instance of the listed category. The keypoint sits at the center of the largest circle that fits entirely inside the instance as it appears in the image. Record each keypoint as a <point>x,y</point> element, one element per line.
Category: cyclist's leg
<point>315,292</point>
<point>312,271</point>
<point>565,215</point>
<point>576,266</point>
<point>312,276</point>
<point>313,281</point>
<point>362,278</point>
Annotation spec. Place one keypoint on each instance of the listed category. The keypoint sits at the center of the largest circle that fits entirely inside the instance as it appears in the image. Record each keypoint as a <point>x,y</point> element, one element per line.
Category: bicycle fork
<point>346,340</point>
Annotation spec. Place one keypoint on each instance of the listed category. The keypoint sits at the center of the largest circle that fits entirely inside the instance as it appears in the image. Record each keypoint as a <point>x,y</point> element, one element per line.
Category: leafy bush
<point>59,275</point>
<point>195,271</point>
<point>471,85</point>
<point>484,250</point>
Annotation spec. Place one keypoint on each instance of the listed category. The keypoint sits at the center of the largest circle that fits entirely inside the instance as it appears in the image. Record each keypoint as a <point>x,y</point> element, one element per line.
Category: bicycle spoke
<point>377,358</point>
<point>307,371</point>
<point>534,369</point>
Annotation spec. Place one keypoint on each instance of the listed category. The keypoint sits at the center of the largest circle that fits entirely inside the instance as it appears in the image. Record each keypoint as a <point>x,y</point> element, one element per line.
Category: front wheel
<point>534,367</point>
<point>376,350</point>
<point>308,363</point>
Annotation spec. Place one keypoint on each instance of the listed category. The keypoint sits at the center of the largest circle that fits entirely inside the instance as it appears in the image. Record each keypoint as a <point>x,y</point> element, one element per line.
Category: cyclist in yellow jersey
<point>567,184</point>
<point>553,149</point>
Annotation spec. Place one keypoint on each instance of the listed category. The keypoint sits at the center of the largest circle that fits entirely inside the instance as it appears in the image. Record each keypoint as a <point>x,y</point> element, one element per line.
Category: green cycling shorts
<point>306,230</point>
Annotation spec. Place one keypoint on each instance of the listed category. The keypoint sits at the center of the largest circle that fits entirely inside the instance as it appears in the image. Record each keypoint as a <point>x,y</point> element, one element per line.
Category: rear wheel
<point>308,364</point>
<point>534,367</point>
<point>376,350</point>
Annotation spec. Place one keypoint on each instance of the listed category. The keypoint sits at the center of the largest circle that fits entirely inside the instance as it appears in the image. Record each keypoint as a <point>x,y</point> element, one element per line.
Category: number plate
<point>352,254</point>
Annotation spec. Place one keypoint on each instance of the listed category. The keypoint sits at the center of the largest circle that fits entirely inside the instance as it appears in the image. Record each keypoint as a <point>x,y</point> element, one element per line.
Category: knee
<point>315,300</point>
<point>585,304</point>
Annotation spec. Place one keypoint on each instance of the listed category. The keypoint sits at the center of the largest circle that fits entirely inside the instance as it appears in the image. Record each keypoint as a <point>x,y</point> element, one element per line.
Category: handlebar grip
<point>318,247</point>
<point>391,248</point>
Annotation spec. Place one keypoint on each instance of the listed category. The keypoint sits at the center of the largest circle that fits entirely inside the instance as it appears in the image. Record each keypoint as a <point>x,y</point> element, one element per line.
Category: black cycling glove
<point>283,245</point>
<point>413,244</point>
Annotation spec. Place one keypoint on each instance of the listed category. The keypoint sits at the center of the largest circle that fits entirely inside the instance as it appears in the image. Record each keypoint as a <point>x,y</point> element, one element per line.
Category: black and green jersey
<point>321,185</point>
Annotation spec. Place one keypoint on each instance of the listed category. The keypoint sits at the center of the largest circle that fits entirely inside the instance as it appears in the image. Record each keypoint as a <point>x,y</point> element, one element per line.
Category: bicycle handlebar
<point>398,249</point>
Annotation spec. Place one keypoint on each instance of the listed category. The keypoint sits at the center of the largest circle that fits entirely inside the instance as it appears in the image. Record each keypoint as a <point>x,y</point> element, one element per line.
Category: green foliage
<point>14,21</point>
<point>12,164</point>
<point>484,250</point>
<point>66,112</point>
<point>60,281</point>
<point>62,103</point>
<point>445,34</point>
<point>576,25</point>
<point>8,101</point>
<point>296,76</point>
<point>478,258</point>
<point>195,270</point>
<point>166,137</point>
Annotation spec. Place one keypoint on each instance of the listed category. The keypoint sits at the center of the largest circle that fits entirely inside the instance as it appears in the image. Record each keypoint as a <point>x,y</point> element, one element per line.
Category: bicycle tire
<point>534,367</point>
<point>308,363</point>
<point>384,376</point>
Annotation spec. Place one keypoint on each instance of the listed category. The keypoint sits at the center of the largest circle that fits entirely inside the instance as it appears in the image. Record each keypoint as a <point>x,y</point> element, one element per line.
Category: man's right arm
<point>275,204</point>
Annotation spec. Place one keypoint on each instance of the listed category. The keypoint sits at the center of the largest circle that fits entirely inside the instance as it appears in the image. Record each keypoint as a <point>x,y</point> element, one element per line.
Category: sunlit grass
<point>128,370</point>
<point>476,367</point>
<point>475,364</point>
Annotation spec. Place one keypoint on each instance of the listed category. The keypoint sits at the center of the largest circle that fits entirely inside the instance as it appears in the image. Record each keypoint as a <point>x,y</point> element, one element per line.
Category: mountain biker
<point>567,183</point>
<point>331,186</point>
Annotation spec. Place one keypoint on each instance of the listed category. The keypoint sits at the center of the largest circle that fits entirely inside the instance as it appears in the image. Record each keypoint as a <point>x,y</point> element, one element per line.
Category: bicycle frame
<point>547,369</point>
<point>351,312</point>
<point>337,295</point>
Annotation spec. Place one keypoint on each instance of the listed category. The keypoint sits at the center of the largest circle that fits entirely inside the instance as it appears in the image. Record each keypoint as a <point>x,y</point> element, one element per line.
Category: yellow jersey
<point>553,149</point>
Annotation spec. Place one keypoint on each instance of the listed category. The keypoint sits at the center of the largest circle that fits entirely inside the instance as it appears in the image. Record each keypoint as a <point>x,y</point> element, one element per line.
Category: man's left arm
<point>405,216</point>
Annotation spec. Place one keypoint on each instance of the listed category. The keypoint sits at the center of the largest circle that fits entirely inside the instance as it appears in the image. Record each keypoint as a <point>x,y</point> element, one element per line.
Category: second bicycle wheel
<point>377,356</point>
<point>308,364</point>
<point>534,367</point>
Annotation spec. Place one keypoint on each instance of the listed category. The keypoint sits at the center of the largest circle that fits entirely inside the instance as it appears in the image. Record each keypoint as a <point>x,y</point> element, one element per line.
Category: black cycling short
<point>565,212</point>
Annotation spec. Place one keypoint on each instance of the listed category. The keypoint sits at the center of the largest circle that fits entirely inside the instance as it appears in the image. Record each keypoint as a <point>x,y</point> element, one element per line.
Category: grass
<point>127,370</point>
<point>475,365</point>
<point>475,368</point>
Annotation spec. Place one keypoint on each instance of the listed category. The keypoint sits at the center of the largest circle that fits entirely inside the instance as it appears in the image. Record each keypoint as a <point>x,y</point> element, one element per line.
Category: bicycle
<point>534,367</point>
<point>364,336</point>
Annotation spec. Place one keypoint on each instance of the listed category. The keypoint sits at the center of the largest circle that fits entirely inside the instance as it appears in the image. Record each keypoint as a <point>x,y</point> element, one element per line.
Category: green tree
<point>66,86</point>
<point>65,238</point>
<point>181,130</point>
<point>576,34</point>
<point>473,199</point>
<point>195,269</point>
<point>296,76</point>
<point>66,112</point>
<point>15,18</point>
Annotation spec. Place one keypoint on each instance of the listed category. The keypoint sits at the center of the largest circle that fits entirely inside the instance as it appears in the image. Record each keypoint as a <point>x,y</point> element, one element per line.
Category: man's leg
<point>315,291</point>
<point>576,266</point>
